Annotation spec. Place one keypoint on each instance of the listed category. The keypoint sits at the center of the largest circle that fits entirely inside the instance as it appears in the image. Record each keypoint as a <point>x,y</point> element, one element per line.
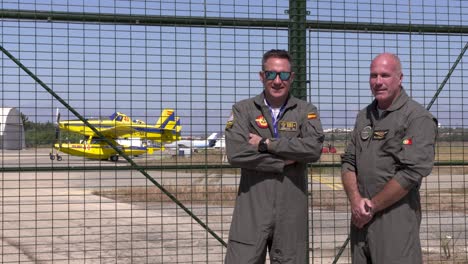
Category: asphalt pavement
<point>56,217</point>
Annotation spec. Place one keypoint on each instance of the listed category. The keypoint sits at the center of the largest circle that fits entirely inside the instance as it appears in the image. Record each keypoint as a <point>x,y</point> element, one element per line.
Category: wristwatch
<point>263,146</point>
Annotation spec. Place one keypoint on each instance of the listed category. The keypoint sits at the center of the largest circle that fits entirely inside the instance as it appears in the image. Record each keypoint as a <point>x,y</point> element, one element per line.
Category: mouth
<point>277,87</point>
<point>378,91</point>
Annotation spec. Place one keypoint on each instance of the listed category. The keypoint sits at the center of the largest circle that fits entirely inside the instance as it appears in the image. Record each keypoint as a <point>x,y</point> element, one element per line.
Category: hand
<point>254,139</point>
<point>361,212</point>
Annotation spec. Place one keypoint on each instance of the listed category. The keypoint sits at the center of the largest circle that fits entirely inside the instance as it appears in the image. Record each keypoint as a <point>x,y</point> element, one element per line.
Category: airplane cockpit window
<point>112,117</point>
<point>136,121</point>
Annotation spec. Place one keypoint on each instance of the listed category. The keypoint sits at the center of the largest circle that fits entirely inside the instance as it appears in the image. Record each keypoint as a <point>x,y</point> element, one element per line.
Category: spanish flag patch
<point>311,115</point>
<point>407,141</point>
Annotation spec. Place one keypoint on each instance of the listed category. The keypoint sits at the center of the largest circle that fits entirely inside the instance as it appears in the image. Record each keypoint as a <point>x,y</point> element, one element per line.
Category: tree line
<point>44,134</point>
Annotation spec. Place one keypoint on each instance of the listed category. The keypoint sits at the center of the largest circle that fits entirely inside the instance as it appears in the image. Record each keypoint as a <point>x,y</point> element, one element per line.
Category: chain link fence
<point>162,203</point>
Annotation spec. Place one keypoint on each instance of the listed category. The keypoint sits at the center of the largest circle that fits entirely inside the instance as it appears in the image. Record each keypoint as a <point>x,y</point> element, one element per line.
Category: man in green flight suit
<point>272,137</point>
<point>390,151</point>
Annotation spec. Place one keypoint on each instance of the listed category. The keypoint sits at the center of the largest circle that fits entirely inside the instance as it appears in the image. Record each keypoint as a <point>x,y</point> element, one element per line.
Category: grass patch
<point>453,200</point>
<point>213,195</point>
<point>432,200</point>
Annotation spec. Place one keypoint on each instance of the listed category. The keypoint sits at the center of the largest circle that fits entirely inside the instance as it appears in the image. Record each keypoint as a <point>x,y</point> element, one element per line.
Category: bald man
<point>391,150</point>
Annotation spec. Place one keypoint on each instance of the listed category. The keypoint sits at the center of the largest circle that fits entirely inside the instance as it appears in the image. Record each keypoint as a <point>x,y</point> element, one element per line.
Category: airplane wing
<point>139,131</point>
<point>117,131</point>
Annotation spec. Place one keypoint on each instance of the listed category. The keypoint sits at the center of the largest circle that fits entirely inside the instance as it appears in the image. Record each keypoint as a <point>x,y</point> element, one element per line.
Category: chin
<point>381,97</point>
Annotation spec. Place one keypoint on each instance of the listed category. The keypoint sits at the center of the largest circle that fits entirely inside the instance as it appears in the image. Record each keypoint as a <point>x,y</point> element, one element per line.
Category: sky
<point>201,71</point>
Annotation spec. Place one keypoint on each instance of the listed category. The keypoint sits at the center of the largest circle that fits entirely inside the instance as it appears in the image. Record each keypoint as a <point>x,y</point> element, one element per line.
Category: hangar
<point>11,129</point>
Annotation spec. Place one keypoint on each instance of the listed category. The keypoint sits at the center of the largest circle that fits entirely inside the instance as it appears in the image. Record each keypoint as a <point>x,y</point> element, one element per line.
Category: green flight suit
<point>271,206</point>
<point>397,145</point>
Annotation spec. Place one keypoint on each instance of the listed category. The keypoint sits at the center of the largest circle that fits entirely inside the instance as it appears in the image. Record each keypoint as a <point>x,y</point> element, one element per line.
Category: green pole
<point>297,46</point>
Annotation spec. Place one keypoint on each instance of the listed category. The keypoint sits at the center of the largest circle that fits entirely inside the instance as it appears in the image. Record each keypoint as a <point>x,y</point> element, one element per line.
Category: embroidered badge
<point>311,115</point>
<point>287,126</point>
<point>365,132</point>
<point>380,134</point>
<point>407,141</point>
<point>230,121</point>
<point>261,122</point>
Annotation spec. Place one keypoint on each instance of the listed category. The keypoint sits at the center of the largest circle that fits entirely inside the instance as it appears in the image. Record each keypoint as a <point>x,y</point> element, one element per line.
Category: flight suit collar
<point>260,99</point>
<point>397,104</point>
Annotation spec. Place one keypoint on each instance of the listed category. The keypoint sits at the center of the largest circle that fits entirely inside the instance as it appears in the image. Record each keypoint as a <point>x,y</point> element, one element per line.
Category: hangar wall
<point>11,129</point>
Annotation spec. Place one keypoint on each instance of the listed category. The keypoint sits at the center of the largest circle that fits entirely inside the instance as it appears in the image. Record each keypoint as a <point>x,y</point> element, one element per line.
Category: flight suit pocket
<point>392,145</point>
<point>241,231</point>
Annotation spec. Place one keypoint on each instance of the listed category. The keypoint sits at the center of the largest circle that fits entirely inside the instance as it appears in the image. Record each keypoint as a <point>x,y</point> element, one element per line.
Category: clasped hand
<point>361,212</point>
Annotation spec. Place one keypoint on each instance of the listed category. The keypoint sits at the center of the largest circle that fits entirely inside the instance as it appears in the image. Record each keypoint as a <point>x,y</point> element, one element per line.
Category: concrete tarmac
<point>56,217</point>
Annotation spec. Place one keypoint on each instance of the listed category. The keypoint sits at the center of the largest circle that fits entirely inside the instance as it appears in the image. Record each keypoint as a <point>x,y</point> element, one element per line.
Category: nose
<point>379,79</point>
<point>277,79</point>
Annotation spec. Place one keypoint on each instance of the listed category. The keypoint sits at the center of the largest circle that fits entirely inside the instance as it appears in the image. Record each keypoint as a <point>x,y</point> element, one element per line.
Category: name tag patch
<point>380,134</point>
<point>287,126</point>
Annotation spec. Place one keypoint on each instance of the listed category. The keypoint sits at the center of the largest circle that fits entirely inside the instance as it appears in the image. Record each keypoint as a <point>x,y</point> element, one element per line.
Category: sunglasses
<point>271,75</point>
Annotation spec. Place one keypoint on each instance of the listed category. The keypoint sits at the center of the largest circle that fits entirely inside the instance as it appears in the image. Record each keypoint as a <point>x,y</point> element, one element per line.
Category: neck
<point>276,102</point>
<point>383,106</point>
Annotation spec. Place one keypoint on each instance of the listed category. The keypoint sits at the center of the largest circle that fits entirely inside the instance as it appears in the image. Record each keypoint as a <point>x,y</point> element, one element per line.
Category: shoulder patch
<point>230,121</point>
<point>407,141</point>
<point>311,115</point>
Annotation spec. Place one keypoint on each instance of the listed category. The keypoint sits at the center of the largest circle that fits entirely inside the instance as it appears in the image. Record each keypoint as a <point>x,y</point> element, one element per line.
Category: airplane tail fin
<point>178,127</point>
<point>213,136</point>
<point>167,120</point>
<point>212,139</point>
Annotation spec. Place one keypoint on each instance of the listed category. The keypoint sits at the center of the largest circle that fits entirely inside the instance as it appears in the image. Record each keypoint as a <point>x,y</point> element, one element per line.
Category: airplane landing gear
<point>52,156</point>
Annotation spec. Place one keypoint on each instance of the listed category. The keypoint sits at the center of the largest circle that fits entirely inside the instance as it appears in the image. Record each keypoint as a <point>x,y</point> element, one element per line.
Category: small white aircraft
<point>195,144</point>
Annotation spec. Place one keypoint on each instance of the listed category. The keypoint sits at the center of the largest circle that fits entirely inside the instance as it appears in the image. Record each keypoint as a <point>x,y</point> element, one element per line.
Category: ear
<point>262,76</point>
<point>291,79</point>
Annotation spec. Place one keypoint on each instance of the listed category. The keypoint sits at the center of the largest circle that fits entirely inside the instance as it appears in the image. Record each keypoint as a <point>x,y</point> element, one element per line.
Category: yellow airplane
<point>118,126</point>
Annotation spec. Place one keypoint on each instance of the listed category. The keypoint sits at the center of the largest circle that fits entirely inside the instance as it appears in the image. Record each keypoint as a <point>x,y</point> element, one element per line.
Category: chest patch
<point>380,134</point>
<point>365,132</point>
<point>261,122</point>
<point>287,126</point>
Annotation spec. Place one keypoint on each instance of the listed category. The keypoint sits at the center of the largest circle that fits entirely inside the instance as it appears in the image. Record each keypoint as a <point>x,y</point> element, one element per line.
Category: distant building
<point>11,129</point>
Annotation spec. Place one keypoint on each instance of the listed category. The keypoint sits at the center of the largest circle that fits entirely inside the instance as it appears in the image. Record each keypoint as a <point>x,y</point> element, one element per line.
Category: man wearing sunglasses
<point>272,137</point>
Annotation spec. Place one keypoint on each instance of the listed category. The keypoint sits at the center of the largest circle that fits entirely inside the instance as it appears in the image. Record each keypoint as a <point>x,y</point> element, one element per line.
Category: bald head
<point>390,59</point>
<point>385,79</point>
